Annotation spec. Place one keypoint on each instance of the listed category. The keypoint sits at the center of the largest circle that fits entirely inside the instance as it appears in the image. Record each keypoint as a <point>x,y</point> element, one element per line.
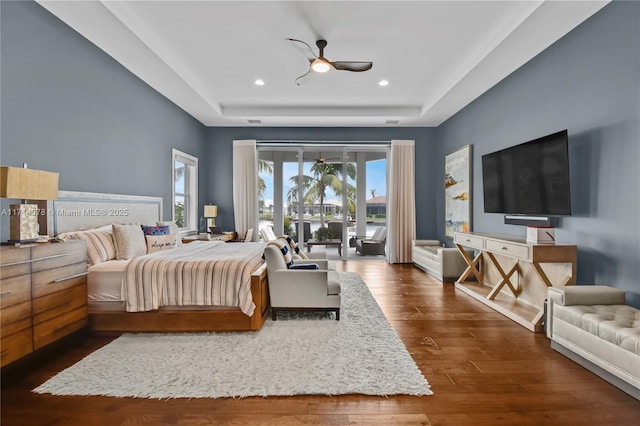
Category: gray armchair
<point>300,289</point>
<point>374,245</point>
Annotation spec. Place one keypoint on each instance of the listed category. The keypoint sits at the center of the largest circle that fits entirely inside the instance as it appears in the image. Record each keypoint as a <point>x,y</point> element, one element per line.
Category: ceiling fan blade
<point>354,66</point>
<point>304,78</point>
<point>304,48</point>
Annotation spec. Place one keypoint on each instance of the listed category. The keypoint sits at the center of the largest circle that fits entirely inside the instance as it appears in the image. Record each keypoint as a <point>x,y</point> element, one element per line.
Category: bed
<point>240,305</point>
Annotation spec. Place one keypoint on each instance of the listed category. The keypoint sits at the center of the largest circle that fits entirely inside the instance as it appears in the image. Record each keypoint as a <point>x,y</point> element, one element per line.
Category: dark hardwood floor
<point>483,368</point>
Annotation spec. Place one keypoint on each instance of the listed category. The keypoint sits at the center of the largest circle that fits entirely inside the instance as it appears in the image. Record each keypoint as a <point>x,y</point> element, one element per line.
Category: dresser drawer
<point>14,261</point>
<point>15,290</point>
<point>15,313</point>
<point>507,248</point>
<point>58,303</point>
<point>16,346</point>
<point>20,324</point>
<point>52,280</point>
<point>49,331</point>
<point>468,240</point>
<point>50,256</point>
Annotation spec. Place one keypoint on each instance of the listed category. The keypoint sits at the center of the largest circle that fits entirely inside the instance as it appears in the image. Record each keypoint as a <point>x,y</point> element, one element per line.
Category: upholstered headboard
<point>75,211</point>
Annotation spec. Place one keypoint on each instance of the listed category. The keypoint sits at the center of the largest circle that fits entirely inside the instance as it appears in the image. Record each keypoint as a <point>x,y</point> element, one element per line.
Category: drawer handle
<point>53,256</point>
<point>70,277</point>
<point>468,240</point>
<point>21,262</point>
<point>504,248</point>
<point>6,293</point>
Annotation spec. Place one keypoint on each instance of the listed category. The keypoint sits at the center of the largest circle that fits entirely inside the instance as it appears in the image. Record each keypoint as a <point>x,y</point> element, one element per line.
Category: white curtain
<point>401,203</point>
<point>245,187</point>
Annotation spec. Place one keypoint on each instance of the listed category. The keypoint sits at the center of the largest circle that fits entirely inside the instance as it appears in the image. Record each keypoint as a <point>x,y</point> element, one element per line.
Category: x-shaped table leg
<point>473,265</point>
<point>506,278</point>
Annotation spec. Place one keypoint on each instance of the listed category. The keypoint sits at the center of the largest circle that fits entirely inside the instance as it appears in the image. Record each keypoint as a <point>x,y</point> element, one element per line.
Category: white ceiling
<point>438,56</point>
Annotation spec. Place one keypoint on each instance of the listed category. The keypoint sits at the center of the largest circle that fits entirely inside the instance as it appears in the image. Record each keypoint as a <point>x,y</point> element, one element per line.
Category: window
<point>185,190</point>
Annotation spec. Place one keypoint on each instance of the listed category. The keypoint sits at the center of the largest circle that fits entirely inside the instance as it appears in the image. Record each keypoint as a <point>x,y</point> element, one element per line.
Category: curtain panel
<point>401,206</point>
<point>245,187</point>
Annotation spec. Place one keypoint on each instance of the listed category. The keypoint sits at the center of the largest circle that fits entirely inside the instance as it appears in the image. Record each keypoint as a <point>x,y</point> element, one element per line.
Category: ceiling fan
<point>322,160</point>
<point>320,64</point>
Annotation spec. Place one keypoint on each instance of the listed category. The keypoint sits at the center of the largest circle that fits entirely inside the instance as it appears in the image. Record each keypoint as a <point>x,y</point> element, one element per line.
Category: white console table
<point>512,276</point>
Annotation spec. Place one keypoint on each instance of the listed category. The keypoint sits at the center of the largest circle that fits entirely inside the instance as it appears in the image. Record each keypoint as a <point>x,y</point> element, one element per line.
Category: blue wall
<point>587,82</point>
<point>220,168</point>
<point>68,107</point>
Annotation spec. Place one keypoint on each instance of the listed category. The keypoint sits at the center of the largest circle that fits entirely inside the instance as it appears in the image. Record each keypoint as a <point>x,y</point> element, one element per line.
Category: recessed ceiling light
<point>259,82</point>
<point>383,83</point>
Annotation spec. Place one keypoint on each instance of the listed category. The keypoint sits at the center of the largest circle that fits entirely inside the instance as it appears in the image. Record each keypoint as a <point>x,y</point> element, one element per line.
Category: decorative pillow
<point>173,230</point>
<point>130,241</point>
<point>160,242</point>
<point>284,249</point>
<point>156,230</point>
<point>100,245</point>
<point>294,246</point>
<point>313,266</point>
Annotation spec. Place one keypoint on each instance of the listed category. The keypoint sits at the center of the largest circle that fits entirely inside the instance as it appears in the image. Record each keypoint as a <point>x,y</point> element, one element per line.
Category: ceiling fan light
<point>319,65</point>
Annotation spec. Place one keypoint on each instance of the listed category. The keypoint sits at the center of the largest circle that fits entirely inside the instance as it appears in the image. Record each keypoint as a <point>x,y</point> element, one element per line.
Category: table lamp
<point>211,212</point>
<point>26,184</point>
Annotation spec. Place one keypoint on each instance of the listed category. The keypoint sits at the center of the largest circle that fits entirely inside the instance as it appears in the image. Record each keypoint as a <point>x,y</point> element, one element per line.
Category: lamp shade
<point>210,211</point>
<point>28,184</point>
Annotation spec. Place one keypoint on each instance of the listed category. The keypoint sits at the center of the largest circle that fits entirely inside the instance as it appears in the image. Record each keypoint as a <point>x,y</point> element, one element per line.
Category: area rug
<point>299,354</point>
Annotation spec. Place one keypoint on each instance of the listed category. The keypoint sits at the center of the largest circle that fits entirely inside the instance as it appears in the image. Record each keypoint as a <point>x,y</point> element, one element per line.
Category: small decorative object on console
<point>541,235</point>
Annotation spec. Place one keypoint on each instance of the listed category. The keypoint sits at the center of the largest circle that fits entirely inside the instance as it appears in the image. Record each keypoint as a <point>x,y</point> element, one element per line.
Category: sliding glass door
<point>324,192</point>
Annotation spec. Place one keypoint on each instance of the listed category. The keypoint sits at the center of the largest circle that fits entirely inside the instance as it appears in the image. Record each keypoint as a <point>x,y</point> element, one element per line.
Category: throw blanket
<point>200,273</point>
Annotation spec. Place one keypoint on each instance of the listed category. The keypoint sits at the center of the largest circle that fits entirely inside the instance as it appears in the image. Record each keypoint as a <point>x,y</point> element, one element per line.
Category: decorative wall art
<point>457,189</point>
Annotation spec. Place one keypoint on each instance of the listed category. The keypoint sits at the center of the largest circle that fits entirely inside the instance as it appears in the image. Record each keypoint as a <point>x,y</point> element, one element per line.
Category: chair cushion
<point>333,283</point>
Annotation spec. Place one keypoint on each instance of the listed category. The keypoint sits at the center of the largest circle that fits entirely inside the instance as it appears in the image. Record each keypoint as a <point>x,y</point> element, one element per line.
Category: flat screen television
<point>529,179</point>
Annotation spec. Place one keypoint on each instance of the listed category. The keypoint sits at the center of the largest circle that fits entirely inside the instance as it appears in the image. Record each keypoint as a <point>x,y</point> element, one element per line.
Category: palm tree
<point>325,176</point>
<point>373,192</point>
<point>264,166</point>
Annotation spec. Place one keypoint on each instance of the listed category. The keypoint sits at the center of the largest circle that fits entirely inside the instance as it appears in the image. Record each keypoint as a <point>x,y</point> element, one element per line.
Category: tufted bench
<point>592,326</point>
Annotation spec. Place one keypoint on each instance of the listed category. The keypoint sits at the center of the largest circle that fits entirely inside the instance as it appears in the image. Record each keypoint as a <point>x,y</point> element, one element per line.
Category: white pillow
<point>100,245</point>
<point>160,242</point>
<point>130,241</point>
<point>173,229</point>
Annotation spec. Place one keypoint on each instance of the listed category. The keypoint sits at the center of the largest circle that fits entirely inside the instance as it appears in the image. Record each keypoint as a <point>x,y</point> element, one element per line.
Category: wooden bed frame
<point>166,320</point>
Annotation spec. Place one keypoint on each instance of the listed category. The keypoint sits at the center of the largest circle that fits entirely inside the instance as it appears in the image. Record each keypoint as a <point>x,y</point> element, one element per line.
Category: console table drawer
<point>506,248</point>
<point>467,240</point>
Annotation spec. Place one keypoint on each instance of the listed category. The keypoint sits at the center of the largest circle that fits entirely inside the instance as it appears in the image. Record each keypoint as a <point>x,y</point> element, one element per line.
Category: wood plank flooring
<point>484,369</point>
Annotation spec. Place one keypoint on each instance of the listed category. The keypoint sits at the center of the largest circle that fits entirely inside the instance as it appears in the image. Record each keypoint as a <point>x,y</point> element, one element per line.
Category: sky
<point>376,178</point>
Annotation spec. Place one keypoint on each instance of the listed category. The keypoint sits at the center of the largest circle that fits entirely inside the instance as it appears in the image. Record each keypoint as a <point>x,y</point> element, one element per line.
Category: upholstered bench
<point>592,326</point>
<point>443,263</point>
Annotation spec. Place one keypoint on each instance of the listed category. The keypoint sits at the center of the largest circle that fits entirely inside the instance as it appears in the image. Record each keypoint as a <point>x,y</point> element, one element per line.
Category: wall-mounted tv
<point>529,179</point>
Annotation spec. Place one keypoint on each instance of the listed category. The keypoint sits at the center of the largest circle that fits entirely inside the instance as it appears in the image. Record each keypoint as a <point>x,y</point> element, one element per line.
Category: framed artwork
<point>457,189</point>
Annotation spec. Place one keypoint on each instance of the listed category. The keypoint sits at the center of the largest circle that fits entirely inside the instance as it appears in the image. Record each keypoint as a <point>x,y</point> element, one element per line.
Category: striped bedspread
<point>200,273</point>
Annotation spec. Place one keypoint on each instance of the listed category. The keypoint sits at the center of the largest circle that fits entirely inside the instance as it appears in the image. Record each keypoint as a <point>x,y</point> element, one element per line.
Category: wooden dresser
<point>43,295</point>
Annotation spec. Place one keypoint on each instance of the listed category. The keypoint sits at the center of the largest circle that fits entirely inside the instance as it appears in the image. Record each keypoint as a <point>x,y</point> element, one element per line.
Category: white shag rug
<point>299,354</point>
